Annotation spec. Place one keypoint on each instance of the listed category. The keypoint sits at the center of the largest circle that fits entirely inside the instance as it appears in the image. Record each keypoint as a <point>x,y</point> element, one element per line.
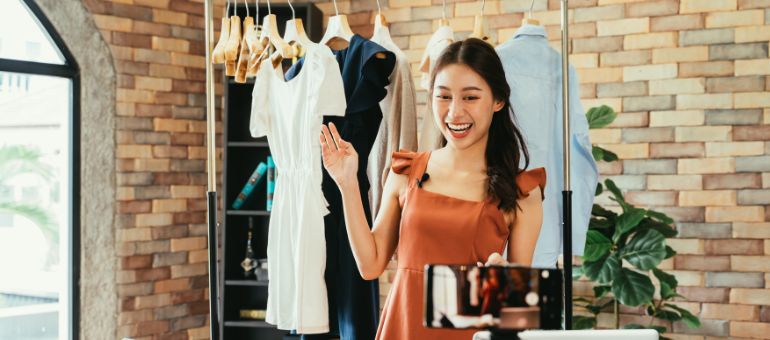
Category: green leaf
<point>668,283</point>
<point>616,193</point>
<point>602,154</point>
<point>599,189</point>
<point>602,270</point>
<point>646,249</point>
<point>594,309</point>
<point>596,246</point>
<point>665,314</point>
<point>609,156</point>
<point>688,318</point>
<point>600,291</point>
<point>583,322</point>
<point>633,326</point>
<point>670,252</point>
<point>666,292</point>
<point>609,271</point>
<point>660,329</point>
<point>601,116</point>
<point>591,269</point>
<point>665,229</point>
<point>597,152</point>
<point>659,216</point>
<point>577,272</point>
<point>632,288</point>
<point>627,222</point>
<point>598,210</point>
<point>600,223</point>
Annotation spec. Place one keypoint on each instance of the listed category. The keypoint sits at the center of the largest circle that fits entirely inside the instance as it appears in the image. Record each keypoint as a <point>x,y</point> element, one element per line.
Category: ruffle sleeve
<point>402,161</point>
<point>528,180</point>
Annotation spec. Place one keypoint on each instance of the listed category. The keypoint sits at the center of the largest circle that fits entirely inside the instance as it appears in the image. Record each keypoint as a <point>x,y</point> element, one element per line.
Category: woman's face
<point>463,105</point>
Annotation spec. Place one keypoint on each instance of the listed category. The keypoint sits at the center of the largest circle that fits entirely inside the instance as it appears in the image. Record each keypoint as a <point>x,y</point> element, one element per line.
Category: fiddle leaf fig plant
<point>635,237</point>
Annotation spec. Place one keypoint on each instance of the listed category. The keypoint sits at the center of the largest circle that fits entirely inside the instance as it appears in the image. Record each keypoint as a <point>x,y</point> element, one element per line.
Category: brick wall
<point>158,52</point>
<point>689,79</point>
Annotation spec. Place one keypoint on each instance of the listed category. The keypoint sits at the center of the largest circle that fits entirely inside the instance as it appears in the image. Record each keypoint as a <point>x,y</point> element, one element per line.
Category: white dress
<point>290,114</point>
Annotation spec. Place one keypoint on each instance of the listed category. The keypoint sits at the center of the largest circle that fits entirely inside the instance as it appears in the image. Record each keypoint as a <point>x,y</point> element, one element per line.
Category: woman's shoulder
<point>530,179</point>
<point>404,162</point>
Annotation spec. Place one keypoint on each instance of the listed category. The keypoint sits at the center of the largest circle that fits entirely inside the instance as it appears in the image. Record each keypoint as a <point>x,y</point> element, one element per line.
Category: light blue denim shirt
<point>533,70</point>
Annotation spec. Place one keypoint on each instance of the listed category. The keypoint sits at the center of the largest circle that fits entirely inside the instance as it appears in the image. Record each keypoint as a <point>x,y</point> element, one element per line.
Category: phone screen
<point>500,297</point>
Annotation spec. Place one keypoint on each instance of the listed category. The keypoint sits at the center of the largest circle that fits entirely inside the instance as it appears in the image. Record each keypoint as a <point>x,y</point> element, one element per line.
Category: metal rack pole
<point>211,195</point>
<point>567,191</point>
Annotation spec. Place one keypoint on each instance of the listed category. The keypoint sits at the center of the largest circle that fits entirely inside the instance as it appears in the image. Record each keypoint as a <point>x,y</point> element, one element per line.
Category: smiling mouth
<point>458,127</point>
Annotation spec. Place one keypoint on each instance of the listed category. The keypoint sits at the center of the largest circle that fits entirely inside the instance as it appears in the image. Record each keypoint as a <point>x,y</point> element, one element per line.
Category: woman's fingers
<point>324,146</point>
<point>495,259</point>
<point>328,139</point>
<point>336,135</point>
<point>332,142</point>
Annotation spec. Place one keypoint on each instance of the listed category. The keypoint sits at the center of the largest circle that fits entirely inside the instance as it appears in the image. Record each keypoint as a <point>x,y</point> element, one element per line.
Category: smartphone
<point>494,297</point>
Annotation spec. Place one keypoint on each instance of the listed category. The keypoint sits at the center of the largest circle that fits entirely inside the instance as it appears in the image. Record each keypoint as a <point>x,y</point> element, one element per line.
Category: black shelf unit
<point>242,154</point>
<point>248,324</point>
<point>246,283</point>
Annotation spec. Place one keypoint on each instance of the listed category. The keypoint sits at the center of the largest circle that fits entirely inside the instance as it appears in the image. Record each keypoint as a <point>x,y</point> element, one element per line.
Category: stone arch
<point>98,298</point>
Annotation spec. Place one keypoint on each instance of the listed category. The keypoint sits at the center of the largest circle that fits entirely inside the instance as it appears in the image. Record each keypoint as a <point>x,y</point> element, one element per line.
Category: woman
<point>475,200</point>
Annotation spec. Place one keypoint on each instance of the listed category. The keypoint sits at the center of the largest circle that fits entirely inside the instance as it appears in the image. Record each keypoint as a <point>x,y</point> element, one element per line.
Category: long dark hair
<point>505,145</point>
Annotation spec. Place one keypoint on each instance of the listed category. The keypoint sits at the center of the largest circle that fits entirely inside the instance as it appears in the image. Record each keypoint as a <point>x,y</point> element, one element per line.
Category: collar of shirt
<point>531,30</point>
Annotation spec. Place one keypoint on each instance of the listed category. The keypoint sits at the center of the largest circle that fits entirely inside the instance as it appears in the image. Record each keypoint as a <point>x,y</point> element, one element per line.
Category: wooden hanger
<point>443,21</point>
<point>480,26</point>
<point>255,61</point>
<point>529,20</point>
<point>233,42</point>
<point>338,32</point>
<point>249,37</point>
<point>257,54</point>
<point>218,54</point>
<point>380,22</point>
<point>270,34</point>
<point>381,30</point>
<point>295,34</point>
<point>257,46</point>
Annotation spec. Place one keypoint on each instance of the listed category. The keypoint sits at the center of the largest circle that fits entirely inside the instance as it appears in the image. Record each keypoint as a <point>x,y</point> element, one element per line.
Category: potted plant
<point>623,250</point>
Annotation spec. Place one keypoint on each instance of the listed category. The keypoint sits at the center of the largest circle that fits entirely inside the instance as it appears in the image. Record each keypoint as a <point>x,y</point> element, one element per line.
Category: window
<point>39,178</point>
<point>23,36</point>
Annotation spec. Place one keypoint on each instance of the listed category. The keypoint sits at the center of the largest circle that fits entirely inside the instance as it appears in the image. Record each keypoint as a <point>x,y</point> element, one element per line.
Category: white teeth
<point>458,127</point>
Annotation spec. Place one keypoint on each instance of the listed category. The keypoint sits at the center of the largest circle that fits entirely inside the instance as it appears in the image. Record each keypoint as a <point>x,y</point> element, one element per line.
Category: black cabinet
<point>242,154</point>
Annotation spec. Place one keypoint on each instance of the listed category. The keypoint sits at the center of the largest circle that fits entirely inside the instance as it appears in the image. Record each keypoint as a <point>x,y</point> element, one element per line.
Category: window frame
<point>69,70</point>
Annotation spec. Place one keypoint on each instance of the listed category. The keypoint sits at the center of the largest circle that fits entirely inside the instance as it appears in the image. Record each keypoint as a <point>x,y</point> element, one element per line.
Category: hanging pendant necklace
<point>250,262</point>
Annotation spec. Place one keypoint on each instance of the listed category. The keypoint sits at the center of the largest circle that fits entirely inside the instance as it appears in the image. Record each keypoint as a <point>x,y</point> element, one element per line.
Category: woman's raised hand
<point>495,259</point>
<point>339,157</point>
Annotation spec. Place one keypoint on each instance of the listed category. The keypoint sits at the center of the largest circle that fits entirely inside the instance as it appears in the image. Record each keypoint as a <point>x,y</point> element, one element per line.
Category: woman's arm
<point>373,248</point>
<point>525,229</point>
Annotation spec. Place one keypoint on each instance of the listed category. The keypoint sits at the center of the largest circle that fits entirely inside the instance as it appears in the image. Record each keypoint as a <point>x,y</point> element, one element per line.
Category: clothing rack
<point>212,197</point>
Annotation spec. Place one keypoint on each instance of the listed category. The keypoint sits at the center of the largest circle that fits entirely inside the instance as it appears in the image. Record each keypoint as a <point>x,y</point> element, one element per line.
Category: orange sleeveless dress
<point>441,229</point>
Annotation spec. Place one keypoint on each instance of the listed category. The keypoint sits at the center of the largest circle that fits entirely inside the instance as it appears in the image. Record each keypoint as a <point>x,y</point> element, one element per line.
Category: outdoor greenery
<point>16,160</point>
<point>635,237</point>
